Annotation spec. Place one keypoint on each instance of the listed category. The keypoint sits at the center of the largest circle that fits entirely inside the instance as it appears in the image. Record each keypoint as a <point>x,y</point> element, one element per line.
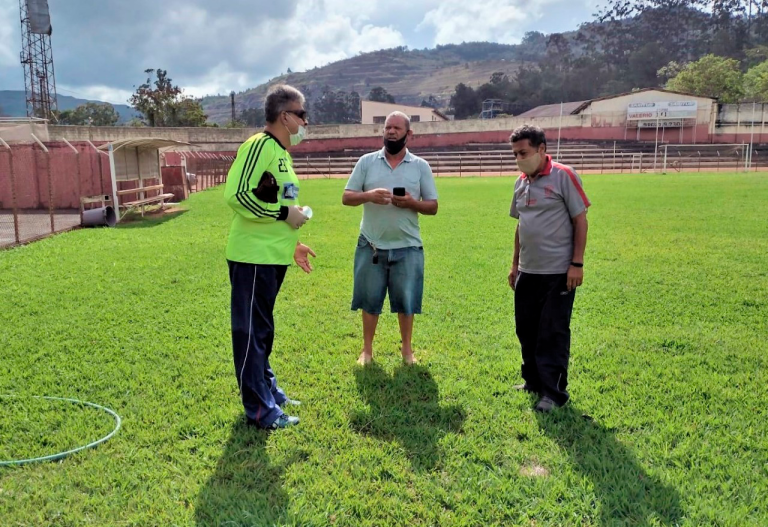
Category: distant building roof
<point>553,110</point>
<point>398,106</point>
<point>574,108</point>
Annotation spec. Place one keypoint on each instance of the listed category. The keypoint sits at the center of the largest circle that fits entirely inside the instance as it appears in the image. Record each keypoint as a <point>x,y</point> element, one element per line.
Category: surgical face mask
<point>395,146</point>
<point>529,165</point>
<point>298,137</point>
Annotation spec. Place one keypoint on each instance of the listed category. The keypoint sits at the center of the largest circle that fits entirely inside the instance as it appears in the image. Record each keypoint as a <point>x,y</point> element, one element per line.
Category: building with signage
<point>644,115</point>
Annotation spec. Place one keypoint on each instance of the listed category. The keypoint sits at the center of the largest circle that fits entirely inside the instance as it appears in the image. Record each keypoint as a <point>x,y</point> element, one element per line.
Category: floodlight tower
<point>37,58</point>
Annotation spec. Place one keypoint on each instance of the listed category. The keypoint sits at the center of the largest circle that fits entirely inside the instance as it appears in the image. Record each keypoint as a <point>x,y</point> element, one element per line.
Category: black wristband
<point>283,213</point>
<point>574,264</point>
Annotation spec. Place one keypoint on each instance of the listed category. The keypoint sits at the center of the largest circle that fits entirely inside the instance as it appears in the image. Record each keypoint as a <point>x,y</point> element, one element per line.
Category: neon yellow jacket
<point>258,233</point>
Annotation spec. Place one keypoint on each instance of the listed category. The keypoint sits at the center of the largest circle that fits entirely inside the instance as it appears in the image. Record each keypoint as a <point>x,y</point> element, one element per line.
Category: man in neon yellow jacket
<point>263,191</point>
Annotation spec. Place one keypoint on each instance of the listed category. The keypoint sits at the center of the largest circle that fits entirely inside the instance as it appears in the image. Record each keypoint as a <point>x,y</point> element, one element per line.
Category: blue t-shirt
<point>387,226</point>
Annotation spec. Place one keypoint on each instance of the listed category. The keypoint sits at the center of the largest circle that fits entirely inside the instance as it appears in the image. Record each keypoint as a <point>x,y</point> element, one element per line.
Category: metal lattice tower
<point>492,108</point>
<point>37,60</point>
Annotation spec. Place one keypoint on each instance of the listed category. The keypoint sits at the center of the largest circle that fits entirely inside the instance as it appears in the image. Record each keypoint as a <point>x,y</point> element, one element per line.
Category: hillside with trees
<point>410,76</point>
<point>715,48</point>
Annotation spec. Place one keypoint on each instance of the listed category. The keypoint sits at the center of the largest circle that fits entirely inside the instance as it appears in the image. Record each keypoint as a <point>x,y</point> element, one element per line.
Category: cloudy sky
<point>101,47</point>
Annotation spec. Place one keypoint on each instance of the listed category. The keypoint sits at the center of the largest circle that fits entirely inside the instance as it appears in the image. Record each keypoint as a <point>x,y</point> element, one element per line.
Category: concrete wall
<point>35,177</point>
<point>451,133</point>
<point>335,138</point>
<point>744,133</point>
<point>603,120</point>
<point>336,131</point>
<point>324,138</point>
<point>13,132</point>
<point>733,114</point>
<point>114,133</point>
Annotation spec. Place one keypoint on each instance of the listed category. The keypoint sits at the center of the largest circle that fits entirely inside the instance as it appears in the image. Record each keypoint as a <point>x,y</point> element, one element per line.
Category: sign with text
<point>669,110</point>
<point>661,123</point>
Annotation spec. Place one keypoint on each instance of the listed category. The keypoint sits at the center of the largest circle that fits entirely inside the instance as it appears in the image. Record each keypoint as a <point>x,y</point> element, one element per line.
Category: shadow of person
<point>246,488</point>
<point>627,494</point>
<point>405,408</point>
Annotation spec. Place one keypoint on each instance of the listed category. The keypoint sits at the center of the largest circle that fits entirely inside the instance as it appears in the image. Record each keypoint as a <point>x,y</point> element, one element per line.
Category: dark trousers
<point>543,307</point>
<point>254,290</point>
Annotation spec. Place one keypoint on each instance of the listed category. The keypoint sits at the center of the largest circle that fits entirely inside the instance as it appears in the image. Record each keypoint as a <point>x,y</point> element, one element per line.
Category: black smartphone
<point>398,191</point>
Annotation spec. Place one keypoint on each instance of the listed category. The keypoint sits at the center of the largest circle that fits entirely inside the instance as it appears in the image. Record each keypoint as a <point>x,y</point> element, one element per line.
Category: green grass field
<point>669,359</point>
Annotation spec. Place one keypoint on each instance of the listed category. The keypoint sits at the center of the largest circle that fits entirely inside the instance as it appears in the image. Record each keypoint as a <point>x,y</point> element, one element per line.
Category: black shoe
<point>524,388</point>
<point>545,405</point>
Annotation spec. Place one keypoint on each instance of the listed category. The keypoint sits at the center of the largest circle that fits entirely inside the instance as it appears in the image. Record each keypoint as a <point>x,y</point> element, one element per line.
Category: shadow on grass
<point>135,221</point>
<point>246,488</point>
<point>405,408</point>
<point>627,494</point>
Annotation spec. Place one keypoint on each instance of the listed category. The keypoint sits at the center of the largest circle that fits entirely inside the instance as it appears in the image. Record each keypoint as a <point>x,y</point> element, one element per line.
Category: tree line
<point>716,49</point>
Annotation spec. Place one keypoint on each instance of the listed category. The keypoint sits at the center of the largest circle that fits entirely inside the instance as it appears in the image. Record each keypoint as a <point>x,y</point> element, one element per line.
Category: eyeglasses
<point>301,114</point>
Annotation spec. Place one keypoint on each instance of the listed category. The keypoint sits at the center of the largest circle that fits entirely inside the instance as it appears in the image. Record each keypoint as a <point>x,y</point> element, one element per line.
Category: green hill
<point>409,75</point>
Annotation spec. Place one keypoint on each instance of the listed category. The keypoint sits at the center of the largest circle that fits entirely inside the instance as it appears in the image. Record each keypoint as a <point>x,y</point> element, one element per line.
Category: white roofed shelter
<point>138,160</point>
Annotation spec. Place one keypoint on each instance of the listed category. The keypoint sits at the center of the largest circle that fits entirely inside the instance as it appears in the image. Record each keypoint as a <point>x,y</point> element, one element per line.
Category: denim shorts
<point>399,271</point>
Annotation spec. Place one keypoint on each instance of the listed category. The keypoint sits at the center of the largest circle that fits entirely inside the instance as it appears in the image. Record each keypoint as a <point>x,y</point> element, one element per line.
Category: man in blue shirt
<point>394,187</point>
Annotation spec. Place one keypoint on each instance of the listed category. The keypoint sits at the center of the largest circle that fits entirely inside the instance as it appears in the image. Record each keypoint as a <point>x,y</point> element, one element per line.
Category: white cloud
<point>97,93</point>
<point>328,30</point>
<point>504,21</point>
<point>371,38</point>
<point>358,12</point>
<point>10,42</point>
<point>220,80</point>
<point>212,52</point>
<point>209,52</point>
<point>323,40</point>
<point>239,44</point>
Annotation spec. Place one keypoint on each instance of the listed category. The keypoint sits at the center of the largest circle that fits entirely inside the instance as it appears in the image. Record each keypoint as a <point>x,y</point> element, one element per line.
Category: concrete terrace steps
<point>491,157</point>
<point>497,158</point>
<point>504,149</point>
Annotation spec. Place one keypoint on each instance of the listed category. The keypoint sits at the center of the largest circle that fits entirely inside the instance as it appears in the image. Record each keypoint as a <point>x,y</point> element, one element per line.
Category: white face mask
<point>298,137</point>
<point>529,165</point>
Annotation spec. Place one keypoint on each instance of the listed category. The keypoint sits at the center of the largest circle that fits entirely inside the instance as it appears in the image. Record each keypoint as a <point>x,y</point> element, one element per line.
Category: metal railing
<point>591,160</point>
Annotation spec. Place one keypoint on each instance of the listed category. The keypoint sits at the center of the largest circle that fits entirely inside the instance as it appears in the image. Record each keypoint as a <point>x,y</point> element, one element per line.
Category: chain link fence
<point>41,185</point>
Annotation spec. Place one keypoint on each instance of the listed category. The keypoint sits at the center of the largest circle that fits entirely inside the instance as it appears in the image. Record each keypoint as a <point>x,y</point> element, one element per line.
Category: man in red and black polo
<point>547,267</point>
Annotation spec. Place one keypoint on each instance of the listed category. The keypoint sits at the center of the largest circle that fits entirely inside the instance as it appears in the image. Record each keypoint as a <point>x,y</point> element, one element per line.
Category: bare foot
<point>409,359</point>
<point>365,359</point>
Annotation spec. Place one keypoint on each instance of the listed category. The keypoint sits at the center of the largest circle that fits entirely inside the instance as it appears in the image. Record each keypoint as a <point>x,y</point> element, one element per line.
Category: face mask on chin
<point>395,146</point>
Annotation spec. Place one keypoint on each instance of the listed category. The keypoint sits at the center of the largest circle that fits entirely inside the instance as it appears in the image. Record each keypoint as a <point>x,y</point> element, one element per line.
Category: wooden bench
<point>143,201</point>
<point>139,189</point>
